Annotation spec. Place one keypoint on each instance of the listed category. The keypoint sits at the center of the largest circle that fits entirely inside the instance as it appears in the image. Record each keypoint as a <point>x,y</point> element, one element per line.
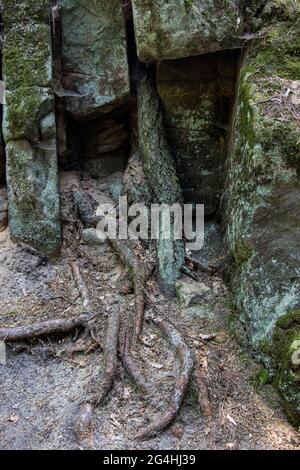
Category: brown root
<point>98,391</point>
<point>85,424</point>
<point>45,328</point>
<point>139,274</point>
<point>80,284</point>
<point>203,395</point>
<point>186,363</point>
<point>134,371</point>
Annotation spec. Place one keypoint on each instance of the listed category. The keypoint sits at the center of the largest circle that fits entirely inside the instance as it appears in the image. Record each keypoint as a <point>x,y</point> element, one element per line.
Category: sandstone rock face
<point>180,28</point>
<point>94,58</point>
<point>196,94</point>
<point>263,188</point>
<point>29,125</point>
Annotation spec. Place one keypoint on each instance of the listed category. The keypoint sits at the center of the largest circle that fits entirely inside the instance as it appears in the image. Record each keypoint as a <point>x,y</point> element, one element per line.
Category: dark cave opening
<point>100,146</point>
<point>197,95</point>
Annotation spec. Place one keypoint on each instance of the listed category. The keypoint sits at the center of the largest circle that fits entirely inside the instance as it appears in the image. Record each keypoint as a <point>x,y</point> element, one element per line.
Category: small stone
<point>191,292</point>
<point>91,237</point>
<point>203,311</point>
<point>221,338</point>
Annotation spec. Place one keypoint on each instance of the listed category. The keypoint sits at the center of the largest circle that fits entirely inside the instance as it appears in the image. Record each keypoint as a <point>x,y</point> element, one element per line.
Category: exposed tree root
<point>203,395</point>
<point>186,364</point>
<point>45,328</point>
<point>98,391</point>
<point>134,370</point>
<point>138,273</point>
<point>81,286</point>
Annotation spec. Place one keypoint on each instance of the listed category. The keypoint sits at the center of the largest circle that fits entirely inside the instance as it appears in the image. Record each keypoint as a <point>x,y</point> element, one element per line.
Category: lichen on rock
<point>94,59</point>
<point>262,210</point>
<point>29,126</point>
<point>182,28</point>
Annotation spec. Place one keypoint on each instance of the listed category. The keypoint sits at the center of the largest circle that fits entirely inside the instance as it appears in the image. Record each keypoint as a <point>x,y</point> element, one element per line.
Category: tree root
<point>186,363</point>
<point>45,328</point>
<point>203,395</point>
<point>98,392</point>
<point>80,284</point>
<point>133,369</point>
<point>139,273</point>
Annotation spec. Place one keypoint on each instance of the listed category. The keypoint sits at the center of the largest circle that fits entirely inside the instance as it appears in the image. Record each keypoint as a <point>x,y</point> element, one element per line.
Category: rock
<point>182,28</point>
<point>263,195</point>
<point>29,126</point>
<point>90,236</point>
<point>34,64</point>
<point>94,58</point>
<point>24,111</point>
<point>195,94</point>
<point>34,209</point>
<point>3,209</point>
<point>205,311</point>
<point>191,292</point>
<point>285,353</point>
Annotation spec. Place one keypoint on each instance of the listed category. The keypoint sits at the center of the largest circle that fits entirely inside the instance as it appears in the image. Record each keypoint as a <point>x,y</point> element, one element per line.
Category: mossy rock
<point>33,194</point>
<point>94,57</point>
<point>27,56</point>
<point>285,351</point>
<point>183,28</point>
<point>25,11</point>
<point>23,110</point>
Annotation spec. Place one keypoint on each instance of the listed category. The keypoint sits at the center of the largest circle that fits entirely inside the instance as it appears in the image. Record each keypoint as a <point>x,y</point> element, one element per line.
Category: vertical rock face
<point>94,59</point>
<point>29,125</point>
<point>180,28</point>
<point>196,94</point>
<point>263,187</point>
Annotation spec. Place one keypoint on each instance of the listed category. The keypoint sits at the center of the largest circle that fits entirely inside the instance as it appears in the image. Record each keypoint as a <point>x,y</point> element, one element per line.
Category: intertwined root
<point>98,391</point>
<point>186,364</point>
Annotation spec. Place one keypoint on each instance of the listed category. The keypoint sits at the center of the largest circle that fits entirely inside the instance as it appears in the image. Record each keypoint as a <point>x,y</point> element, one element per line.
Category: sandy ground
<point>41,386</point>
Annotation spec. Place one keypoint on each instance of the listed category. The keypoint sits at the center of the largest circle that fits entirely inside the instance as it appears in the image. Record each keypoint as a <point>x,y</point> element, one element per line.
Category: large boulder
<point>94,58</point>
<point>180,28</point>
<point>29,126</point>
<point>263,187</point>
<point>196,93</point>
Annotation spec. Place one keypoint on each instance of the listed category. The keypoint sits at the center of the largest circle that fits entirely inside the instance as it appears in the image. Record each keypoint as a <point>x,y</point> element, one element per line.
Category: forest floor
<point>41,386</point>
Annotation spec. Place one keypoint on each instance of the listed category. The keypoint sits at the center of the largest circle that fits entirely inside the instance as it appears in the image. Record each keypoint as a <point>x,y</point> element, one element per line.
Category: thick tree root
<point>98,392</point>
<point>139,274</point>
<point>80,284</point>
<point>186,363</point>
<point>45,328</point>
<point>134,371</point>
<point>203,395</point>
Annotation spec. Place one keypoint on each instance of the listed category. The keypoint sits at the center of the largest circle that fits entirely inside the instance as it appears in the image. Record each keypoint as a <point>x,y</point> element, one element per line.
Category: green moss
<point>260,378</point>
<point>27,56</point>
<point>243,250</point>
<point>287,379</point>
<point>23,111</point>
<point>25,11</point>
